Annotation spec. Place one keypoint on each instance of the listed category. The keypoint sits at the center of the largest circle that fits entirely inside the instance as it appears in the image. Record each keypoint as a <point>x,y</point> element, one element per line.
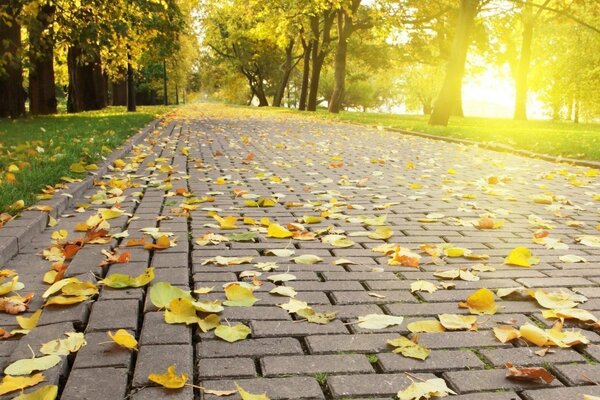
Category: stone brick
<point>256,313</point>
<point>359,276</point>
<point>77,314</point>
<point>114,314</point>
<point>156,393</point>
<point>525,356</point>
<point>372,386</point>
<point>305,388</point>
<point>564,393</point>
<point>364,298</point>
<point>438,360</point>
<point>550,282</point>
<point>289,328</point>
<point>153,358</point>
<point>578,374</point>
<point>223,368</point>
<point>307,365</point>
<point>37,337</point>
<point>156,331</point>
<point>101,352</point>
<point>492,379</point>
<point>96,383</point>
<point>509,395</point>
<point>371,343</point>
<point>249,348</point>
<point>449,340</point>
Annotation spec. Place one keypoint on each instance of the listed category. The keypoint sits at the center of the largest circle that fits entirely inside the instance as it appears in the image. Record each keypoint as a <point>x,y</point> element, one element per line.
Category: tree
<point>450,93</point>
<point>12,100</point>
<point>320,21</point>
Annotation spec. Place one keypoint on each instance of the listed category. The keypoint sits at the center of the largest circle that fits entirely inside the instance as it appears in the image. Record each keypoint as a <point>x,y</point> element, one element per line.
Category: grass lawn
<point>43,148</point>
<point>557,138</point>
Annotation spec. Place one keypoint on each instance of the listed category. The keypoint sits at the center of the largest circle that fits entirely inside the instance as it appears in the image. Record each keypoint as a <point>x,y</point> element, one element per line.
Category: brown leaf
<point>532,374</point>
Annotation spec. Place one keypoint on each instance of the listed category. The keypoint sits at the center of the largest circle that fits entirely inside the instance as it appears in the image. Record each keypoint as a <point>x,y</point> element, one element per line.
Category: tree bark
<point>12,98</point>
<point>130,87</point>
<point>42,90</point>
<point>305,74</point>
<point>260,93</point>
<point>87,83</point>
<point>319,52</point>
<point>450,95</point>
<point>339,85</point>
<point>165,93</point>
<point>523,67</point>
<point>288,66</point>
<point>119,92</point>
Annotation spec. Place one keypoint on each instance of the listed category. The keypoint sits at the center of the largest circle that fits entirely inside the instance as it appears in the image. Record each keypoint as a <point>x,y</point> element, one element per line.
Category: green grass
<point>556,138</point>
<point>44,147</point>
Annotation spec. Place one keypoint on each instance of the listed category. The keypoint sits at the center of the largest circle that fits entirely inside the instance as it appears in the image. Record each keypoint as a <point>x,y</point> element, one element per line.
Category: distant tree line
<point>96,52</point>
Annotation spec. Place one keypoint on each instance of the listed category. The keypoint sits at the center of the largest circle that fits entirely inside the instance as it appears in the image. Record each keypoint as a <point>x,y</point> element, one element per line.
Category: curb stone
<point>30,223</point>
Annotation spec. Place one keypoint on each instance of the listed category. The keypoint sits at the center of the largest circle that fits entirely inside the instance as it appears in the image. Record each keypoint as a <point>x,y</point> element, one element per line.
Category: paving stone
<point>372,386</point>
<point>114,314</point>
<point>364,298</point>
<point>289,328</point>
<point>525,356</point>
<point>223,368</point>
<point>438,360</point>
<point>77,314</point>
<point>509,395</point>
<point>156,393</point>
<point>359,276</point>
<point>302,388</point>
<point>101,352</point>
<point>488,380</point>
<point>578,374</point>
<point>153,358</point>
<point>459,339</point>
<point>550,282</point>
<point>249,348</point>
<point>307,365</point>
<point>37,337</point>
<point>96,383</point>
<point>372,343</point>
<point>256,313</point>
<point>156,331</point>
<point>564,393</point>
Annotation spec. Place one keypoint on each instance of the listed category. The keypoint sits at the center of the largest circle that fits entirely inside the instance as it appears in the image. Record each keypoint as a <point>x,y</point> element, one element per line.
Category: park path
<point>430,192</point>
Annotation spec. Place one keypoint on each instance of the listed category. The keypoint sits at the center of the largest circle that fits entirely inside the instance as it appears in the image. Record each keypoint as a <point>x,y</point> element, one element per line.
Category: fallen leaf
<point>63,347</point>
<point>281,278</point>
<point>31,322</point>
<point>307,259</point>
<point>280,252</point>
<point>435,387</point>
<point>278,231</point>
<point>431,326</point>
<point>521,257</point>
<point>531,374</point>
<point>239,296</point>
<point>28,365</point>
<point>249,396</point>
<point>232,333</point>
<point>284,291</point>
<point>408,348</point>
<point>553,300</point>
<point>311,315</point>
<point>572,258</point>
<point>12,383</point>
<point>228,260</point>
<point>423,286</point>
<point>378,321</point>
<point>162,293</point>
<point>120,281</point>
<point>124,339</point>
<point>457,322</point>
<point>48,392</point>
<point>481,302</point>
<point>169,380</point>
<point>506,333</point>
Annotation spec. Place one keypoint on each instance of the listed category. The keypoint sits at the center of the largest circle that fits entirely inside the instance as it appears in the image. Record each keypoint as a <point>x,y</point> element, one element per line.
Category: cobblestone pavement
<point>430,192</point>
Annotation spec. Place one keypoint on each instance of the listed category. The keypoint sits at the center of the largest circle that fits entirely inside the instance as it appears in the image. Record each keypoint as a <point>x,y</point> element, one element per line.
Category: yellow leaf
<point>535,335</point>
<point>181,311</point>
<point>522,257</point>
<point>249,396</point>
<point>457,322</point>
<point>570,313</point>
<point>208,306</point>
<point>481,302</point>
<point>553,300</point>
<point>378,321</point>
<point>293,305</point>
<point>423,286</point>
<point>65,300</point>
<point>77,168</point>
<point>226,223</point>
<point>278,231</point>
<point>210,322</point>
<point>431,326</point>
<point>506,333</point>
<point>381,233</point>
<point>12,383</point>
<point>239,296</point>
<point>52,221</point>
<point>110,213</point>
<point>119,281</point>
<point>170,380</point>
<point>63,347</point>
<point>162,293</point>
<point>28,365</point>
<point>311,315</point>
<point>232,333</point>
<point>435,387</point>
<point>408,348</point>
<point>31,322</point>
<point>11,286</point>
<point>124,339</point>
<point>54,288</point>
<point>48,392</point>
<point>80,289</point>
<point>307,259</point>
<point>228,260</point>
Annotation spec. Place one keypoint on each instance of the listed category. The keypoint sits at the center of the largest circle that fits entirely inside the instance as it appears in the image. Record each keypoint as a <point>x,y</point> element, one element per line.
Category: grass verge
<point>38,151</point>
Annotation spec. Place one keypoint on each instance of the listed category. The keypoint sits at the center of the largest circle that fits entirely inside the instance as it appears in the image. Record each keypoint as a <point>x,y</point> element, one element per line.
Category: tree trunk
<point>319,51</point>
<point>287,70</point>
<point>576,111</point>
<point>522,72</point>
<point>131,105</point>
<point>12,94</point>
<point>260,93</point>
<point>450,95</point>
<point>305,74</point>
<point>427,108</point>
<point>339,85</point>
<point>87,84</point>
<point>165,93</point>
<point>176,93</point>
<point>42,90</point>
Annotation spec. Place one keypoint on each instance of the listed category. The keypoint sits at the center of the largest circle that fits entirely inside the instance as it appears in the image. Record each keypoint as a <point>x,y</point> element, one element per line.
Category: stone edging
<point>18,232</point>
<point>498,147</point>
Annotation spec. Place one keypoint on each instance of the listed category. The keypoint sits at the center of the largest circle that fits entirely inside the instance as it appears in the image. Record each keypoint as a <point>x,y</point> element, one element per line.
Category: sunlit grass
<point>44,147</point>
